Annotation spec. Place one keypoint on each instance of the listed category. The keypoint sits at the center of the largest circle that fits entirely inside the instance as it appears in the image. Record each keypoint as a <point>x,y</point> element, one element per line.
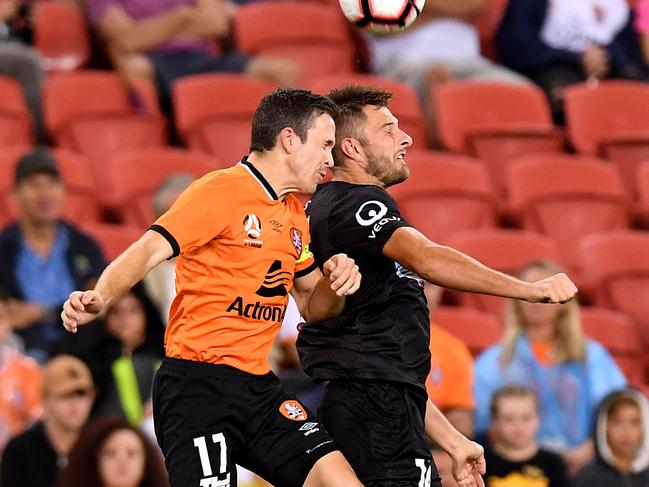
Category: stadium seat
<point>113,239</point>
<point>313,35</point>
<point>15,119</point>
<point>610,120</point>
<point>213,112</point>
<point>567,197</point>
<point>494,122</point>
<point>139,173</point>
<point>487,24</point>
<point>504,250</point>
<point>81,203</point>
<point>61,36</point>
<point>618,333</point>
<point>445,194</point>
<point>642,207</point>
<point>477,329</point>
<point>91,112</point>
<point>617,264</point>
<point>404,104</point>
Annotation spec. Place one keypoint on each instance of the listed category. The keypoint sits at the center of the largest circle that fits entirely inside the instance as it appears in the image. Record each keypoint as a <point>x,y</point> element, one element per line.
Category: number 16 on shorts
<point>222,477</point>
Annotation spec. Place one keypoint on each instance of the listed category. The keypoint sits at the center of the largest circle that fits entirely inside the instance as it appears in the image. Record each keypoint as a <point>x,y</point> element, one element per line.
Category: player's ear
<point>287,139</point>
<point>350,147</point>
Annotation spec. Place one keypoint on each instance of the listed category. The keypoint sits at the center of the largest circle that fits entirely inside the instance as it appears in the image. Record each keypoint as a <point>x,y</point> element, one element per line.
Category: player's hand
<point>554,289</point>
<point>343,274</point>
<point>81,307</point>
<point>469,465</point>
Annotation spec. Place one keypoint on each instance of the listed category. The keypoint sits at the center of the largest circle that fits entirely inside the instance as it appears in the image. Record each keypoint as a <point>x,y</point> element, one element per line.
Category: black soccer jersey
<point>383,332</point>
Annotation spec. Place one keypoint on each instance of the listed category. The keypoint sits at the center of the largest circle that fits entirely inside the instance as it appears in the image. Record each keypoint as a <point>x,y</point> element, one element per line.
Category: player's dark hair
<point>350,118</point>
<point>286,107</point>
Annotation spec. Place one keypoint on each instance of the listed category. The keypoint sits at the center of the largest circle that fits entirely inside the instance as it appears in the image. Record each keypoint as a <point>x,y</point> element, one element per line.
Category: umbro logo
<point>275,282</point>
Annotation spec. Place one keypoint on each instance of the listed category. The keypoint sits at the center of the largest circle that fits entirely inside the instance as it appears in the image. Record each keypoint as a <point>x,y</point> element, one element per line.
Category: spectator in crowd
<point>125,362</point>
<point>18,60</point>
<point>544,348</point>
<point>621,443</point>
<point>43,257</point>
<point>160,283</point>
<point>167,40</point>
<point>642,26</point>
<point>20,384</point>
<point>112,453</point>
<point>442,45</point>
<point>512,454</point>
<point>35,458</point>
<point>561,42</point>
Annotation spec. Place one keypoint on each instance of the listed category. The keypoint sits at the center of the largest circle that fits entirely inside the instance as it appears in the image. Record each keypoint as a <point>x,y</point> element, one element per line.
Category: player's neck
<point>275,173</point>
<point>355,175</point>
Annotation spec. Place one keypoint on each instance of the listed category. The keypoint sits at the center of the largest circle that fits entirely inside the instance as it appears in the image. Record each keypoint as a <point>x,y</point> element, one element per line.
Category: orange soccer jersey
<point>239,248</point>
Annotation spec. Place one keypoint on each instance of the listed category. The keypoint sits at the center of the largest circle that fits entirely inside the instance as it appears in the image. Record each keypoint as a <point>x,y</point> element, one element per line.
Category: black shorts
<point>210,417</point>
<point>379,427</point>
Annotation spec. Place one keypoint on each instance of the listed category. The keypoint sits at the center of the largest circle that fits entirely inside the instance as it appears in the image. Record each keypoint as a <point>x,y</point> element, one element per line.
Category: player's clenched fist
<point>343,274</point>
<point>81,307</point>
<point>554,289</point>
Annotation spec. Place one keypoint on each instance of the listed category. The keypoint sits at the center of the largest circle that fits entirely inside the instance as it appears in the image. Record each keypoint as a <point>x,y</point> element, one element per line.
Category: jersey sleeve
<point>365,220</point>
<point>305,262</point>
<point>197,216</point>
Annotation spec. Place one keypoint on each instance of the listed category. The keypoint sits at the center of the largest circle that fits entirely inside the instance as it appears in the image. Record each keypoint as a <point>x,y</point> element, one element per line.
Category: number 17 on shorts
<point>215,470</point>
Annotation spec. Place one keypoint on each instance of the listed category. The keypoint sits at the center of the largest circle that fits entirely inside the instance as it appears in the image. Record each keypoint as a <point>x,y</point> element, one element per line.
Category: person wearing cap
<point>43,257</point>
<point>35,457</point>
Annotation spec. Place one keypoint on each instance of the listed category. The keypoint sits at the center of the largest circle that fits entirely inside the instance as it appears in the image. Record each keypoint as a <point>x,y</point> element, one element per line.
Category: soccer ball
<point>382,16</point>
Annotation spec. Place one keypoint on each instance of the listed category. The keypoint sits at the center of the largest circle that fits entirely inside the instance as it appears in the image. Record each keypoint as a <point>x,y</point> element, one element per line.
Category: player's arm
<point>321,295</point>
<point>121,275</point>
<point>450,268</point>
<point>467,456</point>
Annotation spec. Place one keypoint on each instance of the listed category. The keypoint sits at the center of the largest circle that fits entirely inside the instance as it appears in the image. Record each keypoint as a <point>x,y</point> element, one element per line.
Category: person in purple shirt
<point>164,40</point>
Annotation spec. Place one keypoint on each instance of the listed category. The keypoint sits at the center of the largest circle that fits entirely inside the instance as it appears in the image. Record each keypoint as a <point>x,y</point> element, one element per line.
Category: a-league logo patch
<point>293,410</point>
<point>296,240</point>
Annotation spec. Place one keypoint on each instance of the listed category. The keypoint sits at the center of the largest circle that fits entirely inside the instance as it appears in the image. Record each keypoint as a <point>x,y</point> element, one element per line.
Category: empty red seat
<point>313,35</point>
<point>113,239</point>
<point>214,111</point>
<point>618,266</point>
<point>404,104</point>
<point>139,173</point>
<point>504,250</point>
<point>15,119</point>
<point>61,35</point>
<point>567,197</point>
<point>477,329</point>
<point>445,194</point>
<point>610,120</point>
<point>642,207</point>
<point>81,203</point>
<point>495,122</point>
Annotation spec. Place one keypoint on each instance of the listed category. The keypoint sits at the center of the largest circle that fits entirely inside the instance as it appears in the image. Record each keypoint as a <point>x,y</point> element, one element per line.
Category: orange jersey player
<point>242,245</point>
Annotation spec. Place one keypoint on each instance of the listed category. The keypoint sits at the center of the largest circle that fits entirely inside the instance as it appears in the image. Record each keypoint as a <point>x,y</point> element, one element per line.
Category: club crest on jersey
<point>296,240</point>
<point>252,227</point>
<point>293,410</point>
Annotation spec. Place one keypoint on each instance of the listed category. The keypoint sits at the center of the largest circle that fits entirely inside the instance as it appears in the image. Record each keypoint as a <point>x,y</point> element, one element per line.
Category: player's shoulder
<point>342,194</point>
<point>231,175</point>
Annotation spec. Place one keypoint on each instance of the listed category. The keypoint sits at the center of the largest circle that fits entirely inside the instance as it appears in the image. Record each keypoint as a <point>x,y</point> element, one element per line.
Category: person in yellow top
<point>242,245</point>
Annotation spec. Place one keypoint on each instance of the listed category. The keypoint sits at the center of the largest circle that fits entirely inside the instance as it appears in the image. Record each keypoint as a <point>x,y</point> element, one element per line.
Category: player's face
<point>516,422</point>
<point>121,460</point>
<point>386,146</point>
<point>624,430</point>
<point>313,156</point>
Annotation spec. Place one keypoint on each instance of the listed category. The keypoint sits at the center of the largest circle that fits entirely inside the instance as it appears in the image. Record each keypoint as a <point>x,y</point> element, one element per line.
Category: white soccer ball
<point>382,16</point>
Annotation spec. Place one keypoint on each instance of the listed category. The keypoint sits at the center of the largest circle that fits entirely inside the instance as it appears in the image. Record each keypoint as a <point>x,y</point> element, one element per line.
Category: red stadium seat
<point>642,208</point>
<point>478,330</point>
<point>495,122</point>
<point>61,36</point>
<point>91,112</point>
<point>567,197</point>
<point>504,250</point>
<point>313,35</point>
<point>618,333</point>
<point>113,239</point>
<point>404,104</point>
<point>139,173</point>
<point>487,24</point>
<point>610,120</point>
<point>15,119</point>
<point>81,203</point>
<point>213,112</point>
<point>618,266</point>
<point>445,194</point>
